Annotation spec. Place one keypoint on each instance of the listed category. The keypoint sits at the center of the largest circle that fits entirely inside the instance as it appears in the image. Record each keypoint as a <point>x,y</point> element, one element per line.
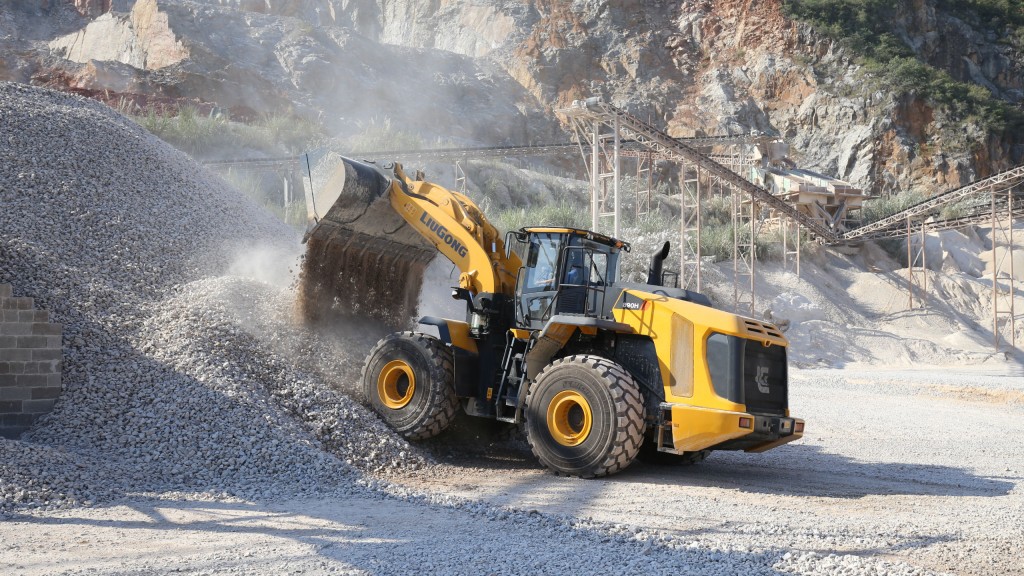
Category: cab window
<point>542,263</point>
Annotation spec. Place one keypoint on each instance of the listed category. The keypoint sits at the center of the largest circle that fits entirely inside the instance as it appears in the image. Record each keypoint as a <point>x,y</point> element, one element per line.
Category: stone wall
<point>31,355</point>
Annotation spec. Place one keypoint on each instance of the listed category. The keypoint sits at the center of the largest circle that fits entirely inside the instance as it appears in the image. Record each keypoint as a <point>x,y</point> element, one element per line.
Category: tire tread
<point>443,404</point>
<point>629,415</point>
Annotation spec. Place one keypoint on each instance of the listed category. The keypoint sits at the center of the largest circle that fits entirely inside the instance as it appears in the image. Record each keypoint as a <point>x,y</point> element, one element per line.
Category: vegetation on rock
<point>866,28</point>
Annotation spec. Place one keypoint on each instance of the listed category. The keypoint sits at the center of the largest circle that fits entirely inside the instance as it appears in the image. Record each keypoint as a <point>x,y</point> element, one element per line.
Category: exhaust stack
<point>654,271</point>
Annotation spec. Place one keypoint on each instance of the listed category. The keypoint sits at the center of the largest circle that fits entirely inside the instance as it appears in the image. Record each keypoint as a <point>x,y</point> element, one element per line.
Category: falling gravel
<point>175,378</point>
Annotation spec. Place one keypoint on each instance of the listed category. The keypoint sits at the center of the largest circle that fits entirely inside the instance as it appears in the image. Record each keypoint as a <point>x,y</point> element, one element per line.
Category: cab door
<point>537,284</point>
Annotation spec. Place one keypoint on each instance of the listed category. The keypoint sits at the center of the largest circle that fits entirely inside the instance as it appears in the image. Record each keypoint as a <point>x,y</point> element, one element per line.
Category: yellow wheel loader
<point>597,370</point>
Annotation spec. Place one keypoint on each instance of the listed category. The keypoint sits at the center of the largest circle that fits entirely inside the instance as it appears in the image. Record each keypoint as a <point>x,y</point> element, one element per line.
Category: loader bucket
<point>362,260</point>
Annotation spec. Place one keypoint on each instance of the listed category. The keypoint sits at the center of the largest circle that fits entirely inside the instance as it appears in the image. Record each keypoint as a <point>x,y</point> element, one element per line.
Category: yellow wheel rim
<point>569,418</point>
<point>396,384</point>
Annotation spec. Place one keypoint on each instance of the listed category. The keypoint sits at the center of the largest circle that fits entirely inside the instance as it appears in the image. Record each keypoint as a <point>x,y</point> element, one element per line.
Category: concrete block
<point>38,406</point>
<point>5,368</point>
<point>16,303</point>
<point>43,393</point>
<point>32,342</point>
<point>16,367</point>
<point>8,380</point>
<point>54,342</point>
<point>6,291</point>
<point>15,329</point>
<point>15,354</point>
<point>48,367</point>
<point>11,420</point>
<point>8,341</point>
<point>41,316</point>
<point>47,329</point>
<point>11,406</point>
<point>12,432</point>
<point>47,354</point>
<point>54,380</point>
<point>31,380</point>
<point>18,393</point>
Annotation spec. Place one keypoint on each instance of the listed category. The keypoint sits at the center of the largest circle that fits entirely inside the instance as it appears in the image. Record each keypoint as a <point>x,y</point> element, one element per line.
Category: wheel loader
<point>595,369</point>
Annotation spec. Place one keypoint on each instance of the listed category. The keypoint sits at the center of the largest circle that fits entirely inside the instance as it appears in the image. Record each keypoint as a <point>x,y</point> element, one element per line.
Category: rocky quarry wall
<point>31,355</point>
<point>487,72</point>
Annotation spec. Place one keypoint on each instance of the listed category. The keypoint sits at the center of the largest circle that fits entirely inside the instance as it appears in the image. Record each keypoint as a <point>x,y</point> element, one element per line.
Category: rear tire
<point>408,380</point>
<point>585,417</point>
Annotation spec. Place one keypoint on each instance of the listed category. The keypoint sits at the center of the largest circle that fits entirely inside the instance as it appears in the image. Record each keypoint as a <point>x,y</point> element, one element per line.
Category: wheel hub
<point>396,384</point>
<point>569,418</point>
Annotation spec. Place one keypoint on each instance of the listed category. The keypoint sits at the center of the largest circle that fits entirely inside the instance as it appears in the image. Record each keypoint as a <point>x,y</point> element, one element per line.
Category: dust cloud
<point>274,265</point>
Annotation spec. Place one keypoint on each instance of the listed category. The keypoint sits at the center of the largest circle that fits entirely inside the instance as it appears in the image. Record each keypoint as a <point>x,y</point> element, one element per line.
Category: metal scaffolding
<point>1003,294</point>
<point>916,256</point>
<point>591,119</point>
<point>791,242</point>
<point>460,177</point>
<point>690,228</point>
<point>744,251</point>
<point>644,175</point>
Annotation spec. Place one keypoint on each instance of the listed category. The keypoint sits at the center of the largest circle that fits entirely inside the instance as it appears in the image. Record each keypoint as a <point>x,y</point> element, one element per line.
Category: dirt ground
<point>896,466</point>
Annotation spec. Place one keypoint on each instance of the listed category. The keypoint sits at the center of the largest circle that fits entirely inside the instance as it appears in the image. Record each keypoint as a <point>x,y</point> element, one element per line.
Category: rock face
<point>240,58</point>
<point>735,65</point>
<point>970,51</point>
<point>143,39</point>
<point>92,7</point>
<point>494,71</point>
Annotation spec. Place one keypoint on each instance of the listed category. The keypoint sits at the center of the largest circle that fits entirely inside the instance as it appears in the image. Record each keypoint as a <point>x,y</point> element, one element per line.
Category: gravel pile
<point>166,387</point>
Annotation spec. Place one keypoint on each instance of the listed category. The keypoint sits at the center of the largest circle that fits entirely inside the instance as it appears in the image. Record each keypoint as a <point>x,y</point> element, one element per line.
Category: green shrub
<point>876,209</point>
<point>202,136</point>
<point>560,214</point>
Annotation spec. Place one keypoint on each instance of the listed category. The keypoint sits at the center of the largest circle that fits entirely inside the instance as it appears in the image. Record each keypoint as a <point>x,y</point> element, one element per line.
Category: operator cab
<point>565,271</point>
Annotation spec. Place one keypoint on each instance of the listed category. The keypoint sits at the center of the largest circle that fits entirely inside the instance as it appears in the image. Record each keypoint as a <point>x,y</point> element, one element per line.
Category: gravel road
<point>896,476</point>
<point>897,465</point>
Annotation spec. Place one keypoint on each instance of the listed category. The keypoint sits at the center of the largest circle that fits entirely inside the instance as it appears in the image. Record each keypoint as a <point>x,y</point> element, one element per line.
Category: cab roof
<point>588,234</point>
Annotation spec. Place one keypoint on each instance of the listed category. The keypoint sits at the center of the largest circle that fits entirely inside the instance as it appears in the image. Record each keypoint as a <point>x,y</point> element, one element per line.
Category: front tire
<point>408,380</point>
<point>585,417</point>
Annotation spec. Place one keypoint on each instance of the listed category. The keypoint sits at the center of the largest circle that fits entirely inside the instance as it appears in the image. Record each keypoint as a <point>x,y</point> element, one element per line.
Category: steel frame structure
<point>791,252</point>
<point>916,254</point>
<point>744,252</point>
<point>590,117</point>
<point>690,203</point>
<point>1003,295</point>
<point>594,110</point>
<point>889,227</point>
